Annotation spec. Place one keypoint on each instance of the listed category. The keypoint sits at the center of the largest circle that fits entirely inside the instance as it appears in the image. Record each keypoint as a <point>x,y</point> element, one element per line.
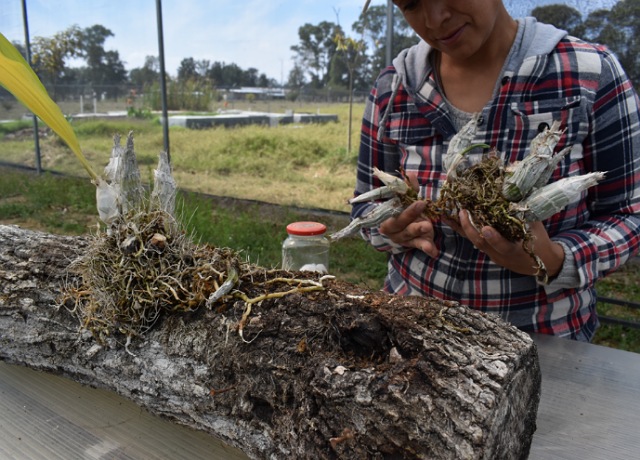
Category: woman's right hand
<point>411,229</point>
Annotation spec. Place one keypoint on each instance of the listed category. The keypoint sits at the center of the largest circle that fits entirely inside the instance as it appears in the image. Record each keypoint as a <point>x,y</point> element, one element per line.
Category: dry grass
<point>302,165</point>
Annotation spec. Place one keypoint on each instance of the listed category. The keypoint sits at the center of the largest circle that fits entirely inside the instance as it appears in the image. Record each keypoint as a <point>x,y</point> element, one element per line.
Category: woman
<point>516,77</point>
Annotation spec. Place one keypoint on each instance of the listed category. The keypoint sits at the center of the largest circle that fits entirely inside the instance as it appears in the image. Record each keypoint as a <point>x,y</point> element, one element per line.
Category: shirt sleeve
<point>376,150</point>
<point>612,234</point>
<point>568,277</point>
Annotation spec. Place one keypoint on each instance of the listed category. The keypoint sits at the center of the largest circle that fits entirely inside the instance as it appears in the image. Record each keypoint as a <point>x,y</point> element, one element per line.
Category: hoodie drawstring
<point>395,85</point>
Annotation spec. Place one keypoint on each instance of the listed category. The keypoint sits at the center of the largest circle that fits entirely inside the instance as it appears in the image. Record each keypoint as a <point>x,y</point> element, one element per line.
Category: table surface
<point>589,409</point>
<point>590,403</point>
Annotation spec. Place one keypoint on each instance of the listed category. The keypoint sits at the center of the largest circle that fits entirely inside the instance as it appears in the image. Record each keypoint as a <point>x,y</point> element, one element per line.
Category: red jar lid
<point>306,228</point>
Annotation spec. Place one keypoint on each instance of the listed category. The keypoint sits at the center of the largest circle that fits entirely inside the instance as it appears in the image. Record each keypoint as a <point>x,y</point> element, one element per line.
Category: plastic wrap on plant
<point>455,161</point>
<point>547,173</point>
<point>117,152</point>
<point>545,202</point>
<point>164,186</point>
<point>393,186</point>
<point>536,168</point>
<point>376,216</point>
<point>107,202</point>
<point>128,178</point>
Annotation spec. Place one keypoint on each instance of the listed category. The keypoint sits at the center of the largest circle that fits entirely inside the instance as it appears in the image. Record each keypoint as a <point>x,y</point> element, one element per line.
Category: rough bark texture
<point>340,373</point>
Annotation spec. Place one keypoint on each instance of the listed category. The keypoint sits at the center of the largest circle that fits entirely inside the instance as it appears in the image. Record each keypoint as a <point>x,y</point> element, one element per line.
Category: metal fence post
<point>27,43</point>
<point>163,81</point>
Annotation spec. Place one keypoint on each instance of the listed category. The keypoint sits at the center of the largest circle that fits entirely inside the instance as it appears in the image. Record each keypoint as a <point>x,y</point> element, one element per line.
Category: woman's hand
<point>411,229</point>
<point>511,255</point>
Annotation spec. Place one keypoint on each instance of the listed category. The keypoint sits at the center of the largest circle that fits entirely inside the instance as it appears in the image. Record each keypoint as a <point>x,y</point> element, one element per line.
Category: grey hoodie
<point>413,64</point>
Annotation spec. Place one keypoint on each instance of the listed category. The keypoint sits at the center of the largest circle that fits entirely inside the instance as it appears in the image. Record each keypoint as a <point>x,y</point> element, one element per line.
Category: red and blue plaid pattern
<point>584,87</point>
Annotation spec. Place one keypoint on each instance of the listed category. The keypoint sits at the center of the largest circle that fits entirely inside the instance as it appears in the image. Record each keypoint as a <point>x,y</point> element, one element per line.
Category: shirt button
<point>480,121</point>
<point>506,79</point>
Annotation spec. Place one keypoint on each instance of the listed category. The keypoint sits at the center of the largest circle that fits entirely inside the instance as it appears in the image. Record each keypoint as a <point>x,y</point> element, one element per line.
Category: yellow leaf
<point>19,79</point>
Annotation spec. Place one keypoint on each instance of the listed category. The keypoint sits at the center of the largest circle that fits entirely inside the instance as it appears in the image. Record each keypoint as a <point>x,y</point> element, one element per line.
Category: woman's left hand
<point>512,255</point>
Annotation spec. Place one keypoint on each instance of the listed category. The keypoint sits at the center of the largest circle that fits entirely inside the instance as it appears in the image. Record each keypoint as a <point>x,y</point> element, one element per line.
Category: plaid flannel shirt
<point>584,87</point>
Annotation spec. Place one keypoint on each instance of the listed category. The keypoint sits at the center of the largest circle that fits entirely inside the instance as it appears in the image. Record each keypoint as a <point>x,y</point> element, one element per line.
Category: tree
<point>562,16</point>
<point>601,27</point>
<point>338,71</point>
<point>619,29</point>
<point>250,77</point>
<point>316,49</point>
<point>92,49</point>
<point>114,74</point>
<point>146,75</point>
<point>104,70</point>
<point>373,27</point>
<point>187,70</point>
<point>264,81</point>
<point>596,25</point>
<point>202,67</point>
<point>297,78</point>
<point>231,75</point>
<point>351,54</point>
<point>621,34</point>
<point>226,75</point>
<point>49,55</point>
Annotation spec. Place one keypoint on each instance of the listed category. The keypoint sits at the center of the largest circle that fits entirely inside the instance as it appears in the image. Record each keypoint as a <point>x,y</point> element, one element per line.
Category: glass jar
<point>306,248</point>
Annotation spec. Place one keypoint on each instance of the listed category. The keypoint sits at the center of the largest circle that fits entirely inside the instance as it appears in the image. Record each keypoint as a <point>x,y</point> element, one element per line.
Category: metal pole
<point>389,45</point>
<point>163,81</point>
<point>27,43</point>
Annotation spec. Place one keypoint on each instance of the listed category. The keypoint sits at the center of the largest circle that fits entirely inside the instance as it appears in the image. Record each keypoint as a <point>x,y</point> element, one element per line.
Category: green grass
<point>66,205</point>
<point>259,237</point>
<point>56,204</point>
<point>13,126</point>
<point>303,165</point>
<point>621,285</point>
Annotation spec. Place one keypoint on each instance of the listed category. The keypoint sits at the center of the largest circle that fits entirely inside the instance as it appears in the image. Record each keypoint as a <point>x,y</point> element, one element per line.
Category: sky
<point>250,33</point>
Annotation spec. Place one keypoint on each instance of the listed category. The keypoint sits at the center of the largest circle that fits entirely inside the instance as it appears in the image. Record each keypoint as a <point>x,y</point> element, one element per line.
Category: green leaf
<point>19,79</point>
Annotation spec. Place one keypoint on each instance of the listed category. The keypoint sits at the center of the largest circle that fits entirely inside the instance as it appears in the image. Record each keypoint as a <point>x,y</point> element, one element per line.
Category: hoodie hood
<point>413,65</point>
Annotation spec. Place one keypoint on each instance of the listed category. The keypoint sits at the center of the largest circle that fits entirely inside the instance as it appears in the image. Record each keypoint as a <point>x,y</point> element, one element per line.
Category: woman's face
<point>461,29</point>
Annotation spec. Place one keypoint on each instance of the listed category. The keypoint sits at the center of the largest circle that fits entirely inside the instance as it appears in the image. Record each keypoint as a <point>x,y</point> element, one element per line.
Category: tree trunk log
<point>339,373</point>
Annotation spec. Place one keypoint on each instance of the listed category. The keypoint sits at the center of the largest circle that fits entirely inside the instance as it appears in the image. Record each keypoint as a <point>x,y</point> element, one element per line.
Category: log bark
<point>339,373</point>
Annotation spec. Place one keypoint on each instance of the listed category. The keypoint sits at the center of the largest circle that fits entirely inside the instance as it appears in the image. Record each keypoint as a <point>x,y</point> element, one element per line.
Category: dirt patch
<point>26,133</point>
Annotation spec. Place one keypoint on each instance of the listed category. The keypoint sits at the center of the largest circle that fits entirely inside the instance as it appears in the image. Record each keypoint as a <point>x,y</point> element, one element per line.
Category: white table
<point>590,404</point>
<point>589,409</point>
<point>46,417</point>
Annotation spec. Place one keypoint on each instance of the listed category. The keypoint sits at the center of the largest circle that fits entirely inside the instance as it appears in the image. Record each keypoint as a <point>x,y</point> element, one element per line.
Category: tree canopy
<point>617,28</point>
<point>103,70</point>
<point>316,50</point>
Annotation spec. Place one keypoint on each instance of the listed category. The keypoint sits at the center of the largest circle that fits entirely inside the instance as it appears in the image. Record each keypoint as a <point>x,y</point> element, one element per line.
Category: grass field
<point>300,165</point>
<point>304,166</point>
